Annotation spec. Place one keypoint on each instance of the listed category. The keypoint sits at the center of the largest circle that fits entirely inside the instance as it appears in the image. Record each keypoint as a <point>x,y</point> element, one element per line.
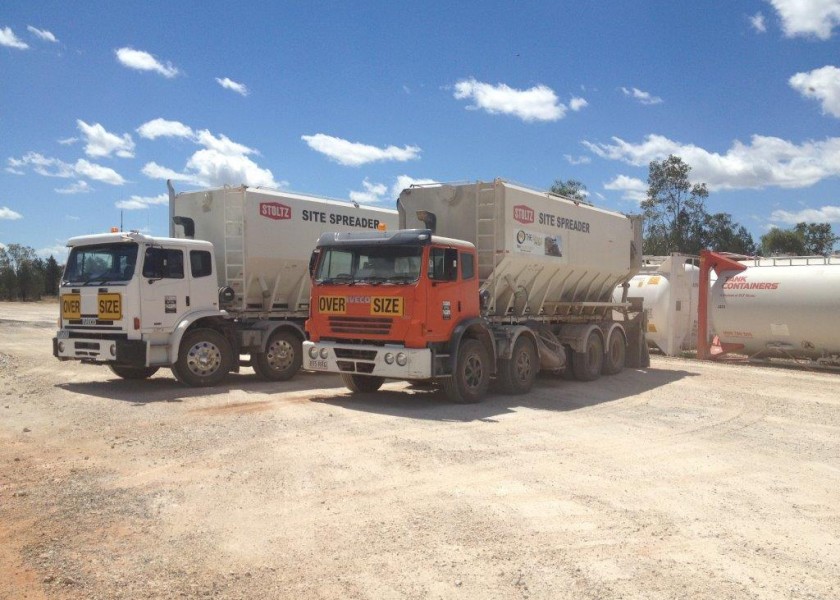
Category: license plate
<point>317,364</point>
<point>109,307</point>
<point>391,306</point>
<point>71,306</point>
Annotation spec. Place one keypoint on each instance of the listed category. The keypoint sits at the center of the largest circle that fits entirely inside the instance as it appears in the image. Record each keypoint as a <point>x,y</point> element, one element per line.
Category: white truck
<point>484,281</point>
<point>232,279</point>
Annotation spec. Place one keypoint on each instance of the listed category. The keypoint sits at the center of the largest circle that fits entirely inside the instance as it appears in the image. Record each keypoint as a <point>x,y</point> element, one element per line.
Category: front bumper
<point>368,360</point>
<point>119,351</point>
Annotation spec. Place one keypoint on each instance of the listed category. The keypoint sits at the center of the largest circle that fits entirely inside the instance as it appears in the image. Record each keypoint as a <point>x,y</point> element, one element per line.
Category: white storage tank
<point>779,307</point>
<point>668,287</point>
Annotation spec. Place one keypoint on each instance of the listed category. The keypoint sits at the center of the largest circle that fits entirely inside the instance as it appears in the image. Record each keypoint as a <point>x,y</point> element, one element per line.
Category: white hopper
<point>539,254</point>
<point>264,239</point>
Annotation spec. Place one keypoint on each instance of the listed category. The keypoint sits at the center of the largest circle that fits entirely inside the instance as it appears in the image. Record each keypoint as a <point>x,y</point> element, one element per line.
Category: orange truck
<point>484,283</point>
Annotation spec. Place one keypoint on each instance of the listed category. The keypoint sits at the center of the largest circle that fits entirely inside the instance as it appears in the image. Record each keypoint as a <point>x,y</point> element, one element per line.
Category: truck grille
<point>361,325</point>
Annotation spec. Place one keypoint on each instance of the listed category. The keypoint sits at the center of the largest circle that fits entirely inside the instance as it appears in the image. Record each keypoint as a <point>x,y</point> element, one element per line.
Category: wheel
<point>361,384</point>
<point>517,374</point>
<point>204,358</point>
<point>282,357</point>
<point>133,372</point>
<point>471,377</point>
<point>568,372</point>
<point>587,365</point>
<point>615,355</point>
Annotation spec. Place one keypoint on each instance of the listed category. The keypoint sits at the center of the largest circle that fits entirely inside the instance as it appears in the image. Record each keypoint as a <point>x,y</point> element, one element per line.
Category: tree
<point>782,241</point>
<point>817,237</point>
<point>571,188</point>
<point>674,210</point>
<point>8,277</point>
<point>25,273</point>
<point>52,276</point>
<point>722,235</point>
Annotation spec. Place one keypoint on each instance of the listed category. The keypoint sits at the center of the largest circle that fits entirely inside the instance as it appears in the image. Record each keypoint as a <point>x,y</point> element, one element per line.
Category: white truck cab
<point>123,295</point>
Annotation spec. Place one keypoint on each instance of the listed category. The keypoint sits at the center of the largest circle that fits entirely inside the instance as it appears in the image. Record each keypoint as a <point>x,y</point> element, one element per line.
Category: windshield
<point>102,263</point>
<point>370,264</point>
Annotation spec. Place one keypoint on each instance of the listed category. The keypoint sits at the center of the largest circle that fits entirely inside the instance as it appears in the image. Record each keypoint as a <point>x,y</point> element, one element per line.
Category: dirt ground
<point>684,480</point>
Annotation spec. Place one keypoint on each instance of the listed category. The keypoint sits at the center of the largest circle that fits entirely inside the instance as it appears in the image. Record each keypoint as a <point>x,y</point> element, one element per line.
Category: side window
<point>163,263</point>
<point>200,263</point>
<point>467,265</point>
<point>443,264</point>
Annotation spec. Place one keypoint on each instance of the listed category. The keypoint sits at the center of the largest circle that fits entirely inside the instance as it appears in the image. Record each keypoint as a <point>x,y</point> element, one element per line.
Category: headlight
<point>113,349</point>
<point>61,346</point>
<point>313,352</point>
<point>402,359</point>
<point>389,358</point>
<point>324,353</point>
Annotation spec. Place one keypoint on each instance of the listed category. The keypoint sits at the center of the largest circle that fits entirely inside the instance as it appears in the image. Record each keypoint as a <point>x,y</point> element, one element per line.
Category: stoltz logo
<point>523,214</point>
<point>275,210</point>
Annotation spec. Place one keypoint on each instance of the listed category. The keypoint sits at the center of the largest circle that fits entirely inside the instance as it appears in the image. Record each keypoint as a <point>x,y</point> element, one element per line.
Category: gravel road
<point>684,480</point>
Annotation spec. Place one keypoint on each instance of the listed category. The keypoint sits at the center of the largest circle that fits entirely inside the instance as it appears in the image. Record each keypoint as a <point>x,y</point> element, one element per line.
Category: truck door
<point>165,289</point>
<point>445,305</point>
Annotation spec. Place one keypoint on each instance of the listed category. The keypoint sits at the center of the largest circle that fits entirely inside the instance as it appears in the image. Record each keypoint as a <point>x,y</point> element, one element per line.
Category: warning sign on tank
<point>530,242</point>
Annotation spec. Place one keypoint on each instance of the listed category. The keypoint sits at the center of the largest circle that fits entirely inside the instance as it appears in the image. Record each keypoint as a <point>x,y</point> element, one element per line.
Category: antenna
<point>121,220</point>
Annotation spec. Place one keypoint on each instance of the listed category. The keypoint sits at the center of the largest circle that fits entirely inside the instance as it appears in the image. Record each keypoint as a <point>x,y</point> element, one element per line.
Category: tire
<point>362,384</point>
<point>469,382</point>
<point>204,358</point>
<point>282,357</point>
<point>517,374</point>
<point>587,365</point>
<point>616,354</point>
<point>133,372</point>
<point>568,372</point>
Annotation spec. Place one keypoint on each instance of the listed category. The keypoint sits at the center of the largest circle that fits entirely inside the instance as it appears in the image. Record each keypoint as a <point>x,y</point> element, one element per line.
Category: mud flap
<point>638,356</point>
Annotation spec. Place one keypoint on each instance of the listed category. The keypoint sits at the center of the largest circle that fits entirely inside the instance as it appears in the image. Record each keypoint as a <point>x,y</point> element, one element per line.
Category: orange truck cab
<point>392,305</point>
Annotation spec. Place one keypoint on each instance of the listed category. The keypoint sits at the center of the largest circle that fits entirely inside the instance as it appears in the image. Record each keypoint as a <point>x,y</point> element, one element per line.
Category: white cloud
<point>53,167</point>
<point>229,84</point>
<point>98,172</point>
<point>631,187</point>
<point>68,141</point>
<point>43,34</point>
<point>10,40</point>
<point>143,61</point>
<point>808,17</point>
<point>162,128</point>
<point>645,98</point>
<point>42,165</point>
<point>101,143</point>
<point>216,168</point>
<point>822,84</point>
<point>766,161</point>
<point>80,187</point>
<point>59,252</point>
<point>538,103</point>
<point>141,202</point>
<point>355,154</point>
<point>577,160</point>
<point>404,182</point>
<point>578,103</point>
<point>826,214</point>
<point>757,22</point>
<point>374,192</point>
<point>153,170</point>
<point>72,218</point>
<point>8,214</point>
<point>221,162</point>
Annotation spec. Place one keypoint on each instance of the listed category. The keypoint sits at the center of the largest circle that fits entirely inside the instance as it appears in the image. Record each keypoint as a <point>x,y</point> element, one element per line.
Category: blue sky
<point>100,102</point>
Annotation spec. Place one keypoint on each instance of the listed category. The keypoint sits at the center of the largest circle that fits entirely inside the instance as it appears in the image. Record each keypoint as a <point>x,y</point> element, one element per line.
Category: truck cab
<point>389,304</point>
<point>123,295</point>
